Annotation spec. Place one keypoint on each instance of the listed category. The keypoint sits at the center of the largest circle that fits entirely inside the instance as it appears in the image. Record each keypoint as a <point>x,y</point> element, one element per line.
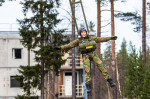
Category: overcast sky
<point>11,11</point>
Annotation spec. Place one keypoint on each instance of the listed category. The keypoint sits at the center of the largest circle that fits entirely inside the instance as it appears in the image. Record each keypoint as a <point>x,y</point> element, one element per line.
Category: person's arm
<point>104,39</point>
<point>70,45</point>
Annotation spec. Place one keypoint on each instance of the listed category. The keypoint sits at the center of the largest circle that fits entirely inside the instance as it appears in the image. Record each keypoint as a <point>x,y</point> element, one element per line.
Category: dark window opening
<point>14,82</point>
<point>17,54</point>
<point>68,74</point>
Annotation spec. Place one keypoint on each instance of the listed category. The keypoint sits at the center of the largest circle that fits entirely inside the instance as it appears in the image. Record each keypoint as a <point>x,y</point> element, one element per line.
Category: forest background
<point>133,73</point>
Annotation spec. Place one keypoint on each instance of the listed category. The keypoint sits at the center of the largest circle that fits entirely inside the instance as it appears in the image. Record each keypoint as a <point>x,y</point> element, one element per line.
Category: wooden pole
<point>73,53</point>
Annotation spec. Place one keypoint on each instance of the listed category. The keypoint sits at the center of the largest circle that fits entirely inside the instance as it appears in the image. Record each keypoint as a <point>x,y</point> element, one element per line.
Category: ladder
<point>73,13</point>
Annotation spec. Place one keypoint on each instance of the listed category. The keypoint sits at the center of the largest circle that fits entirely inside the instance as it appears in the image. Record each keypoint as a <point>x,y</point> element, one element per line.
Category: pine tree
<point>146,85</point>
<point>131,85</point>
<point>122,63</point>
<point>135,74</point>
<point>107,58</point>
<point>147,56</point>
<point>40,34</point>
<point>140,22</point>
<point>134,17</point>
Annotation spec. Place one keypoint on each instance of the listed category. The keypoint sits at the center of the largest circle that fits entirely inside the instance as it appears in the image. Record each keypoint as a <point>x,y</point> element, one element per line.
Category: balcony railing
<point>79,90</point>
<point>78,62</point>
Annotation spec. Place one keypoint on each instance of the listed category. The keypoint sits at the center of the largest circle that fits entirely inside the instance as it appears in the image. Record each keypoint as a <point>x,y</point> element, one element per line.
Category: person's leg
<point>86,64</point>
<point>103,70</point>
<point>100,66</point>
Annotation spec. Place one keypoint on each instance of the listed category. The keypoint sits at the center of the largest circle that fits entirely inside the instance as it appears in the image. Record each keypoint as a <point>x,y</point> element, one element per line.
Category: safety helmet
<point>82,29</point>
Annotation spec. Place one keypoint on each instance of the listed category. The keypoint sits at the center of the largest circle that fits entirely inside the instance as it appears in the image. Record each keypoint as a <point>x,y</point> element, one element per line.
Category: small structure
<point>65,87</point>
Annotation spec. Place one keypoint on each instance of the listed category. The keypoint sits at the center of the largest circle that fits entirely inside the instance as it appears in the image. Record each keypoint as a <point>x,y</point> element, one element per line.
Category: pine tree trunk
<point>52,85</point>
<point>56,86</point>
<point>113,49</point>
<point>97,82</point>
<point>93,80</point>
<point>144,33</point>
<point>73,54</point>
<point>42,61</point>
<point>42,79</point>
<point>29,65</point>
<point>28,57</point>
<point>47,85</point>
<point>98,27</point>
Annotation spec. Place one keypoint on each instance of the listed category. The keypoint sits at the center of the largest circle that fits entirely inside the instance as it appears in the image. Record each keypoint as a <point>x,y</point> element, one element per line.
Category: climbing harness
<point>87,47</point>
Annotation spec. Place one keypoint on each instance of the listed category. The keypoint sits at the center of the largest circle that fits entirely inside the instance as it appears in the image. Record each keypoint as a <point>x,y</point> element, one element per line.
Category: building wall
<point>5,88</point>
<point>9,65</point>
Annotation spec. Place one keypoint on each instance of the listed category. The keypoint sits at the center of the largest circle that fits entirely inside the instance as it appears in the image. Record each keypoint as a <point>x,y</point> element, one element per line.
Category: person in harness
<point>87,47</point>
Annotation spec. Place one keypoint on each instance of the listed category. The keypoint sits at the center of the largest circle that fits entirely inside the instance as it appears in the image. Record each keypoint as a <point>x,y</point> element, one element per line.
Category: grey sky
<point>10,11</point>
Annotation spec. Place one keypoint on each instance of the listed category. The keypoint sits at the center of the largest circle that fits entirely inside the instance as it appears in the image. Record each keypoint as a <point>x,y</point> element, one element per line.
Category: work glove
<point>113,37</point>
<point>57,48</point>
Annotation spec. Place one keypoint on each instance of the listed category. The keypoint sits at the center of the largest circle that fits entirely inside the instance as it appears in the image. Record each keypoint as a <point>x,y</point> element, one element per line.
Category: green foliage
<point>131,85</point>
<point>107,57</point>
<point>147,56</point>
<point>134,17</point>
<point>25,97</point>
<point>52,58</point>
<point>146,85</point>
<point>42,23</point>
<point>40,34</point>
<point>91,26</point>
<point>31,78</point>
<point>135,75</point>
<point>122,63</point>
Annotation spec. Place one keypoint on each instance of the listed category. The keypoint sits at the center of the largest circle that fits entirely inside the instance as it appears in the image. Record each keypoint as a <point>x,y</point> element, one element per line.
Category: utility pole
<point>113,49</point>
<point>73,53</point>
<point>144,32</point>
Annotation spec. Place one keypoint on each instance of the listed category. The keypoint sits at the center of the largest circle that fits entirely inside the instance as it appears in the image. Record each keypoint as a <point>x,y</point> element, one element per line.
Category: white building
<point>13,54</point>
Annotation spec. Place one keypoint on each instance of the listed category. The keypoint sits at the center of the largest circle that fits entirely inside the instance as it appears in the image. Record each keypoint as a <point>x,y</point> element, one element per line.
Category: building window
<point>14,82</point>
<point>17,53</point>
